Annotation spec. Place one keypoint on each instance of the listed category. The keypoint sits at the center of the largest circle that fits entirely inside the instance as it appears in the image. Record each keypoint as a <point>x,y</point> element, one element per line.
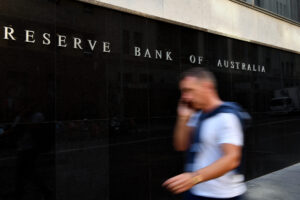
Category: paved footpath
<point>280,185</point>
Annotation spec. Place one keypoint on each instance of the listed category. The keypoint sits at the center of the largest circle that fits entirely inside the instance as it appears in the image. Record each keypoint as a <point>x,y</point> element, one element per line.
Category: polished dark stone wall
<point>82,124</point>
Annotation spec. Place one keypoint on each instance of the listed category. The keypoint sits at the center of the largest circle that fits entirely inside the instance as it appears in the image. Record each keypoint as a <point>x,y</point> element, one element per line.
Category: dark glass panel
<point>129,171</point>
<point>82,159</point>
<point>27,158</point>
<point>27,80</point>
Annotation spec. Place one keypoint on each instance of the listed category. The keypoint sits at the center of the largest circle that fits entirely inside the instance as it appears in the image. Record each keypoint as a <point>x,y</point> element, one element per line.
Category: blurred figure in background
<point>33,138</point>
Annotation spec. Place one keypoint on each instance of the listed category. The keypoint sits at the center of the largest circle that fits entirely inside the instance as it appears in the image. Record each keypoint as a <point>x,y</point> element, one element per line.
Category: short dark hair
<point>199,73</point>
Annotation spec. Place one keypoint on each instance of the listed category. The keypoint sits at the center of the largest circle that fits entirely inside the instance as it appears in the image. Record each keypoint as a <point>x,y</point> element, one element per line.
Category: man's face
<point>193,92</point>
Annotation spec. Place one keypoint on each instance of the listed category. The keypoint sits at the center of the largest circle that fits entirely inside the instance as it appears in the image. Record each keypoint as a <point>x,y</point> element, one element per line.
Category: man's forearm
<point>182,134</point>
<point>216,169</point>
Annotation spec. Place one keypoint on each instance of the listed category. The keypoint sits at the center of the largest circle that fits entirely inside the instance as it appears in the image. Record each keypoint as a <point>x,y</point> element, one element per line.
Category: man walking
<point>210,130</point>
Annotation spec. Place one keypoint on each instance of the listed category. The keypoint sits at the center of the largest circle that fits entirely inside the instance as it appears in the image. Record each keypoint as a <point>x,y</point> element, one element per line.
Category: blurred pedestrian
<point>211,131</point>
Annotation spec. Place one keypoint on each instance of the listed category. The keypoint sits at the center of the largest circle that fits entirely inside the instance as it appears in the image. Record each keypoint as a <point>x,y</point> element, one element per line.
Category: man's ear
<point>209,85</point>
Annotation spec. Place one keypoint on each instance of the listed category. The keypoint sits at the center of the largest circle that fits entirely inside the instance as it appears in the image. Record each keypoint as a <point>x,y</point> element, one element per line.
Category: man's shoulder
<point>227,117</point>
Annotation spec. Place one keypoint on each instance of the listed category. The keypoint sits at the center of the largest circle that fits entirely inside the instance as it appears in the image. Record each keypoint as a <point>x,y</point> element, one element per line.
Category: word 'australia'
<point>241,66</point>
<point>156,54</point>
<point>75,42</point>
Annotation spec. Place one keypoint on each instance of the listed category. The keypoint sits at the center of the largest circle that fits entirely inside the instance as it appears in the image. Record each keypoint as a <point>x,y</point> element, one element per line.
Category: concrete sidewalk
<point>280,185</point>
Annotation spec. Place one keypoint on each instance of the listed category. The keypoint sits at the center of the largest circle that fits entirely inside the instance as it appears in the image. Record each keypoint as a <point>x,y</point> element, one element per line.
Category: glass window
<point>289,9</point>
<point>249,1</point>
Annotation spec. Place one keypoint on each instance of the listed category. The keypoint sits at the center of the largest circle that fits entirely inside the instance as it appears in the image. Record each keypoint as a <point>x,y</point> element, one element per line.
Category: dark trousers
<point>190,196</point>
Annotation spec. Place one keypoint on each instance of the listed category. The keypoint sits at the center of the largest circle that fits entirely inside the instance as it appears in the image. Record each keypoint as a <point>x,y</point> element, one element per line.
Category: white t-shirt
<point>216,130</point>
